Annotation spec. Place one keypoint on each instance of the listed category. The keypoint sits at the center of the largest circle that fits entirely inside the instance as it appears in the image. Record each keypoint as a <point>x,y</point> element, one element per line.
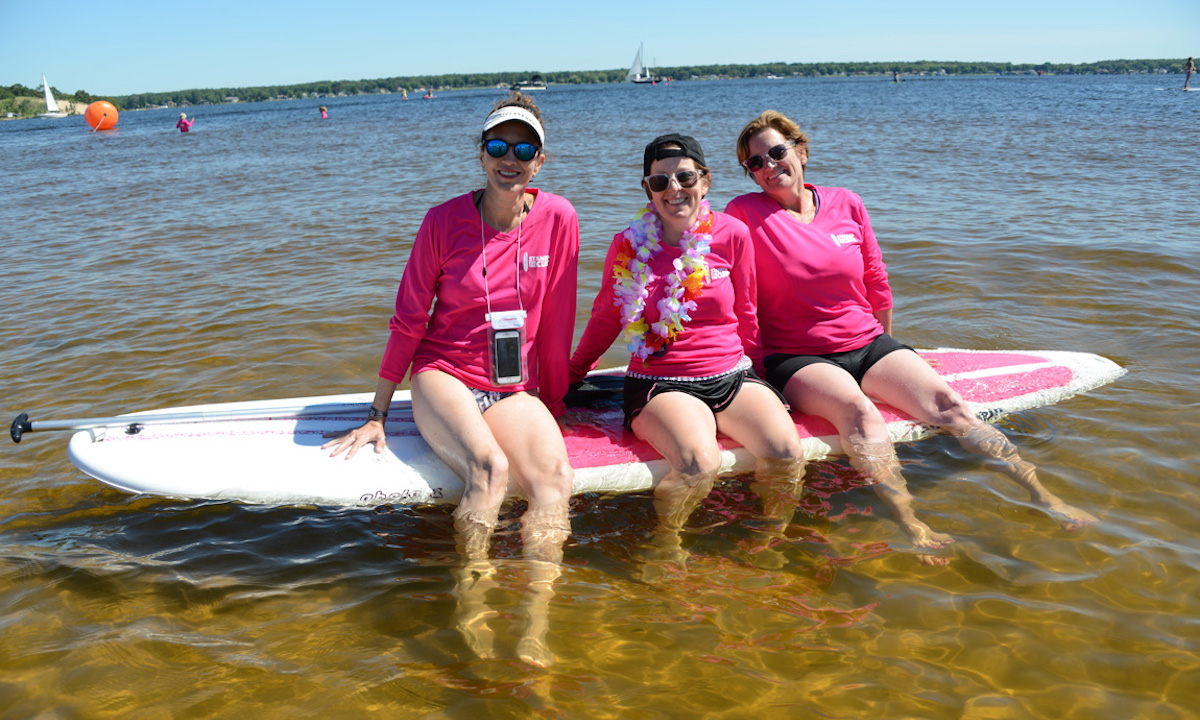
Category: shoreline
<point>37,105</point>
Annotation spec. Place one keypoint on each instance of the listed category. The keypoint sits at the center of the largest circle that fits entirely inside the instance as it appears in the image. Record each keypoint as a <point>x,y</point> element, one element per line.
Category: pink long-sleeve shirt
<point>819,284</point>
<point>445,272</point>
<point>723,328</point>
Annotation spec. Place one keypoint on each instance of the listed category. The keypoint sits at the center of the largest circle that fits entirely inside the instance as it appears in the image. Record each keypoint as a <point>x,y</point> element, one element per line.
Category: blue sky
<point>121,47</point>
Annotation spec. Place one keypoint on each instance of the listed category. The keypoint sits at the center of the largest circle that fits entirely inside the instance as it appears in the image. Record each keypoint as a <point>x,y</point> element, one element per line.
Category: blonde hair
<point>768,120</point>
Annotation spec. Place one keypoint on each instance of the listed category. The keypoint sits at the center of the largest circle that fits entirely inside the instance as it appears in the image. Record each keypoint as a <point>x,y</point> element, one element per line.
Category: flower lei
<point>631,274</point>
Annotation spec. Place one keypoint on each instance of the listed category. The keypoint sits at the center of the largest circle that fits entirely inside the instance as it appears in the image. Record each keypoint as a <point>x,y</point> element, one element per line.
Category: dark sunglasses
<point>754,163</point>
<point>685,178</point>
<point>522,151</point>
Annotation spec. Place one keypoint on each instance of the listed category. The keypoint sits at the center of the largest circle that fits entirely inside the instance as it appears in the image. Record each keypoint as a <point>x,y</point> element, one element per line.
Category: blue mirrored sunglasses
<point>522,151</point>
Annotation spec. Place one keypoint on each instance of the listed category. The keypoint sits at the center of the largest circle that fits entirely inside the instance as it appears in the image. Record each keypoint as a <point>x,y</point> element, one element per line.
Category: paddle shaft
<point>599,385</point>
<point>22,424</point>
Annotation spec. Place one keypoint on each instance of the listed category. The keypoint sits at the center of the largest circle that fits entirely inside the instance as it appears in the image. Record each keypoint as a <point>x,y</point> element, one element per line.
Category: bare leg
<point>449,420</point>
<point>517,434</point>
<point>830,392</point>
<point>682,429</point>
<point>990,443</point>
<point>538,459</point>
<point>760,423</point>
<point>905,381</point>
<point>878,461</point>
<point>532,647</point>
<point>472,582</point>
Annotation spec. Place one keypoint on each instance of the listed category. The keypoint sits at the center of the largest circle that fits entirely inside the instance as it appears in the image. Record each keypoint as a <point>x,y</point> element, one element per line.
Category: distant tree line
<point>19,90</point>
<point>924,67</point>
<point>334,88</point>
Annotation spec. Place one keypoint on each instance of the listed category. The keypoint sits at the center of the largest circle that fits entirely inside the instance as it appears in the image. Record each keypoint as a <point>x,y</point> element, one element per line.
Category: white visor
<point>512,112</point>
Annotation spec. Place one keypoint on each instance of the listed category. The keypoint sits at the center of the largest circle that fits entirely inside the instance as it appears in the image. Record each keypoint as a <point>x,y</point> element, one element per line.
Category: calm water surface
<point>258,257</point>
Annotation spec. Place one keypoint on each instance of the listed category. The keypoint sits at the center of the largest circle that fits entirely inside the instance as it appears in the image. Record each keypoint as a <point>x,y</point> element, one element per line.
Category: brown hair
<point>769,120</point>
<point>518,99</point>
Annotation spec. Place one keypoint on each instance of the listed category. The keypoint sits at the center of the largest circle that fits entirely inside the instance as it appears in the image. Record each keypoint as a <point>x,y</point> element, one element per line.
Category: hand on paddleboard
<point>353,441</point>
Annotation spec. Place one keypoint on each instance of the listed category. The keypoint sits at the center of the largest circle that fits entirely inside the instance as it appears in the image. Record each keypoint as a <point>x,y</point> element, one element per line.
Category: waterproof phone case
<point>506,341</point>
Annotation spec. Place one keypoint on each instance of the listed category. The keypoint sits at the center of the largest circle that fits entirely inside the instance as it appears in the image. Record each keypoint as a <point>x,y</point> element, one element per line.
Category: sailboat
<point>52,110</point>
<point>637,73</point>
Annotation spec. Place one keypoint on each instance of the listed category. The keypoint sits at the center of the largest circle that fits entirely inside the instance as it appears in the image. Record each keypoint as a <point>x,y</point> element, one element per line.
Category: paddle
<point>134,423</point>
<point>594,389</point>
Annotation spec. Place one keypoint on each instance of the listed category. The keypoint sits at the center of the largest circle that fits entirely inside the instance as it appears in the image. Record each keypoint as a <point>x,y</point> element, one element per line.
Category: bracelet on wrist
<point>376,414</point>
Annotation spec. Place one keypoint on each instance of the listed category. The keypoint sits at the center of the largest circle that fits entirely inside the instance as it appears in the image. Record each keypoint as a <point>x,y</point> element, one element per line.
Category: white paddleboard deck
<point>269,452</point>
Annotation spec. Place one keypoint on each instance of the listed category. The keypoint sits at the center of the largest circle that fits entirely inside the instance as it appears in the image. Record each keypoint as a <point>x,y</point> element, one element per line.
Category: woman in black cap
<point>679,282</point>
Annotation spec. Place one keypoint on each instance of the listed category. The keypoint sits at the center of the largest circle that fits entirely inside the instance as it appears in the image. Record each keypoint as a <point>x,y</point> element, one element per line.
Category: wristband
<point>375,413</point>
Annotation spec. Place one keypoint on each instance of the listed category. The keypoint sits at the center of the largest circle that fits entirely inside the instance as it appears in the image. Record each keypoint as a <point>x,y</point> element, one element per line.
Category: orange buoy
<point>100,115</point>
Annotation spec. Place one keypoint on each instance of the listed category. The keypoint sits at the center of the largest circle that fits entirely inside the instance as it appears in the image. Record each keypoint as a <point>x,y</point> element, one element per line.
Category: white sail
<point>635,70</point>
<point>51,106</point>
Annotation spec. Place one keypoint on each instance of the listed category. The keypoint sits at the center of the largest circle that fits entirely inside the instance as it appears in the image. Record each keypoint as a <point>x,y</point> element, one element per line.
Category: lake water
<point>258,257</point>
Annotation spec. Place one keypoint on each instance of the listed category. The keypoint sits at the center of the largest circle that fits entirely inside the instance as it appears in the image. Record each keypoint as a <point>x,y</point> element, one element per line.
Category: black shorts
<point>717,393</point>
<point>781,367</point>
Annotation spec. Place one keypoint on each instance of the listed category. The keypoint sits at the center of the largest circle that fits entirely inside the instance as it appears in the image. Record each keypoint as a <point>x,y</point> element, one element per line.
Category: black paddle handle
<point>20,426</point>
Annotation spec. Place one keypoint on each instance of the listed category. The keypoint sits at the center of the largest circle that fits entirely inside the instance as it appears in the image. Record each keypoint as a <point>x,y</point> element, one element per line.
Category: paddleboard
<point>269,452</point>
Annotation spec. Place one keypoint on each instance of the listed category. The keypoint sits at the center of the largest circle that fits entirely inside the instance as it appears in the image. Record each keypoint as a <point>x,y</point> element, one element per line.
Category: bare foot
<point>663,559</point>
<point>924,538</point>
<point>1068,517</point>
<point>758,551</point>
<point>934,560</point>
<point>477,635</point>
<point>533,650</point>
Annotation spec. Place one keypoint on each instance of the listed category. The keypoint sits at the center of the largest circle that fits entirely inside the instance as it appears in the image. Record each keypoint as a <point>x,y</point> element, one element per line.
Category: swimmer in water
<point>184,124</point>
<point>324,113</point>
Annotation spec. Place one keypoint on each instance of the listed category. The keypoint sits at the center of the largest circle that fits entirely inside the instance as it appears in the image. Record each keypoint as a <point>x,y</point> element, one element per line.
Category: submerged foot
<point>477,635</point>
<point>533,650</point>
<point>924,538</point>
<point>932,560</point>
<point>663,559</point>
<point>761,552</point>
<point>1068,517</point>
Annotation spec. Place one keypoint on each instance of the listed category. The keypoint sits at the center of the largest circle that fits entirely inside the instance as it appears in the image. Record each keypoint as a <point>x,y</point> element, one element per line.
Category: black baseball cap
<point>688,147</point>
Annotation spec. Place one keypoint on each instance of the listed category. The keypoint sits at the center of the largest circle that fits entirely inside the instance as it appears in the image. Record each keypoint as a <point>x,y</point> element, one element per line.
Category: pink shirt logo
<point>535,261</point>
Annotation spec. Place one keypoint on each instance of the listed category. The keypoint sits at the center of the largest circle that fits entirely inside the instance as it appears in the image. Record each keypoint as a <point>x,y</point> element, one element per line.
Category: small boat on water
<point>533,83</point>
<point>52,110</point>
<point>637,73</point>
